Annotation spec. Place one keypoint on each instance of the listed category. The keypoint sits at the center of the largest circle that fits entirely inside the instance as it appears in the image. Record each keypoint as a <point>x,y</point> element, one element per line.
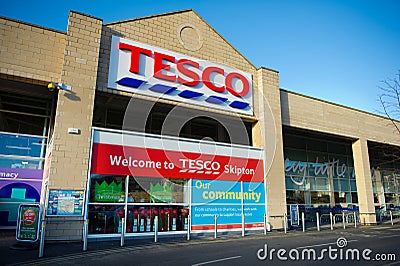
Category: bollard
<point>42,234</point>
<point>155,229</point>
<point>269,227</point>
<point>85,234</point>
<point>331,217</point>
<point>122,232</point>
<point>243,230</point>
<point>188,228</point>
<point>391,218</point>
<point>285,222</point>
<point>344,221</point>
<point>303,223</point>
<point>265,224</point>
<point>318,229</point>
<point>355,220</point>
<point>215,226</point>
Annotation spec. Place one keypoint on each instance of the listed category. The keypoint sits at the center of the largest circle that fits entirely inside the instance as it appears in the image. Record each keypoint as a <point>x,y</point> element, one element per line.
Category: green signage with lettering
<point>108,192</point>
<point>161,193</point>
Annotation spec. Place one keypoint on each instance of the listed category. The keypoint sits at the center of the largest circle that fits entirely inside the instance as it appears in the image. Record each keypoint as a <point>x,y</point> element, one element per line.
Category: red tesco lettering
<point>164,64</point>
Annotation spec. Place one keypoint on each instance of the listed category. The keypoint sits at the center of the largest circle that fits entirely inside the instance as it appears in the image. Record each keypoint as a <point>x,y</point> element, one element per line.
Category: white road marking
<point>380,228</point>
<point>214,261</point>
<point>320,245</point>
<point>388,236</point>
<point>393,263</point>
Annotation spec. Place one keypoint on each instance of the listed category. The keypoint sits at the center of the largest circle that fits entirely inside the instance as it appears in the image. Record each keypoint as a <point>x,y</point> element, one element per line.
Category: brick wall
<point>30,53</point>
<point>313,114</point>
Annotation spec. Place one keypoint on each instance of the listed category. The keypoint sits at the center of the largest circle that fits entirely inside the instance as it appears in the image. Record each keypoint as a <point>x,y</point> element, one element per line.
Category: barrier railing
<point>391,216</point>
<point>320,221</point>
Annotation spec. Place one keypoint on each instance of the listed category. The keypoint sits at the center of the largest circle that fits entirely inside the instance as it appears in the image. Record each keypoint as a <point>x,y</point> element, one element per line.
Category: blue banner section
<point>219,192</point>
<point>216,192</point>
<point>204,214</point>
<point>254,213</point>
<point>224,199</point>
<point>253,192</point>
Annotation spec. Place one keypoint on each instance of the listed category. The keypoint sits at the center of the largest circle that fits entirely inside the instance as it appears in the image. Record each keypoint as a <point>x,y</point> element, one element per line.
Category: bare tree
<point>390,100</point>
<point>387,156</point>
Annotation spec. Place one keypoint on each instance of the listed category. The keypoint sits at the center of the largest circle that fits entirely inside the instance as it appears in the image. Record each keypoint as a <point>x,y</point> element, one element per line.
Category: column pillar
<point>267,133</point>
<point>364,182</point>
<point>70,154</point>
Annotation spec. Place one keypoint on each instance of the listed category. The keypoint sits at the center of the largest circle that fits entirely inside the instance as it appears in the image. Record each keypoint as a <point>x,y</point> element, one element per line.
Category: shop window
<point>146,198</point>
<point>22,145</point>
<point>320,197</point>
<point>105,219</point>
<point>10,162</point>
<point>24,114</point>
<point>391,198</point>
<point>353,185</point>
<point>292,142</point>
<point>297,183</point>
<point>354,197</point>
<point>107,189</point>
<point>341,197</point>
<point>170,218</point>
<point>22,123</point>
<point>341,184</point>
<point>315,145</point>
<point>295,155</point>
<point>337,148</point>
<point>320,184</point>
<point>294,197</point>
<point>350,172</point>
<point>376,198</point>
<point>390,183</point>
<point>156,190</point>
<point>379,198</point>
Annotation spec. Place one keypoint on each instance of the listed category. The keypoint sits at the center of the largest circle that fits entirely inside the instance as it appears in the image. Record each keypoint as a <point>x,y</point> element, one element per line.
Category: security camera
<point>60,86</point>
<point>52,86</point>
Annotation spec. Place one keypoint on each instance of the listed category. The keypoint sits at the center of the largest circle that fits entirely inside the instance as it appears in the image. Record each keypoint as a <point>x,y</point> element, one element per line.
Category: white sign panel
<point>152,71</point>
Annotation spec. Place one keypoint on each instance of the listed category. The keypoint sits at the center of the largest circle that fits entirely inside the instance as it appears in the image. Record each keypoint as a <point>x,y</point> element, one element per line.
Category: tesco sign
<point>140,68</point>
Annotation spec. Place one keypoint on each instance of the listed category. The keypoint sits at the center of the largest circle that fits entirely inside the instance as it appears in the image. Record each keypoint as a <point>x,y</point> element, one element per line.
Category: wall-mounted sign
<point>294,214</point>
<point>226,200</point>
<point>17,185</point>
<point>65,203</point>
<point>138,155</point>
<point>28,222</point>
<point>152,71</point>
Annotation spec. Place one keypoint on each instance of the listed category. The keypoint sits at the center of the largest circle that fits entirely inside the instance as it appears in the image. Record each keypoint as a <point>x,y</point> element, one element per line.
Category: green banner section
<point>161,193</point>
<point>108,192</point>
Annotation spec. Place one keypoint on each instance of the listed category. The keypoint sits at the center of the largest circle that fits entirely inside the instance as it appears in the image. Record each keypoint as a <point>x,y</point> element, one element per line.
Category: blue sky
<point>337,51</point>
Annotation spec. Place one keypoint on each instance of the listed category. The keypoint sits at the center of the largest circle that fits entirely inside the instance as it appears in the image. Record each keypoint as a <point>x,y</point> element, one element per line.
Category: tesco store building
<point>160,119</point>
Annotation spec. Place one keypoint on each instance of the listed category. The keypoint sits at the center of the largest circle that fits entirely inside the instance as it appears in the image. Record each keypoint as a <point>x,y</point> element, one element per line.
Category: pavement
<point>56,252</point>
